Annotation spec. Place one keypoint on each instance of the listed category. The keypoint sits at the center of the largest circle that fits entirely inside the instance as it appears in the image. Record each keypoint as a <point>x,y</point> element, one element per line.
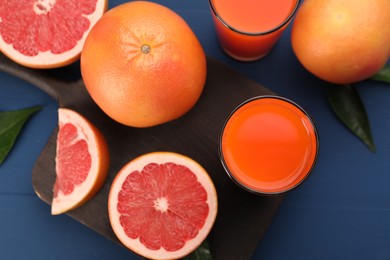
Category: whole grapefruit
<point>143,65</point>
<point>342,41</point>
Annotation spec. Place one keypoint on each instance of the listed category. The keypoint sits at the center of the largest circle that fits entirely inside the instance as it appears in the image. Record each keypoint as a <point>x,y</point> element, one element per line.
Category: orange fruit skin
<point>143,88</point>
<point>342,41</point>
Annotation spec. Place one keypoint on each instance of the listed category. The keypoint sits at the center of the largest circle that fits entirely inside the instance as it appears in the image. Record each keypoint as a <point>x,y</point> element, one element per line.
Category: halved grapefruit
<point>47,33</point>
<point>82,162</point>
<point>162,205</point>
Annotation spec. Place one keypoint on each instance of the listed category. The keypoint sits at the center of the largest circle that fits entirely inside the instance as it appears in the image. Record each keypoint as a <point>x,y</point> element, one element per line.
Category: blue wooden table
<point>342,211</point>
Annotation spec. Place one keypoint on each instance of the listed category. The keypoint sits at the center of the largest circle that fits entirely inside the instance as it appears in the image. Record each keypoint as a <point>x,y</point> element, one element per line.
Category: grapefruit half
<point>82,162</point>
<point>47,33</point>
<point>162,205</point>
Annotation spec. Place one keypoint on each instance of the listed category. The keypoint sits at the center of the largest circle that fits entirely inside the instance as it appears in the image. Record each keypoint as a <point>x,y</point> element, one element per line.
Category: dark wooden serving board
<point>242,217</point>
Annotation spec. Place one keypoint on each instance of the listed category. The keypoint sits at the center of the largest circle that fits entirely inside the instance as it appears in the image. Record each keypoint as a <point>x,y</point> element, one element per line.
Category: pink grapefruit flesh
<point>82,161</point>
<point>162,205</point>
<point>47,33</point>
<point>74,160</point>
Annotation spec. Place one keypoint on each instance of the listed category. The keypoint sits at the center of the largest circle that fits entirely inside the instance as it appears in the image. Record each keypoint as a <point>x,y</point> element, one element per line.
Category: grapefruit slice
<point>162,205</point>
<point>82,162</point>
<point>47,33</point>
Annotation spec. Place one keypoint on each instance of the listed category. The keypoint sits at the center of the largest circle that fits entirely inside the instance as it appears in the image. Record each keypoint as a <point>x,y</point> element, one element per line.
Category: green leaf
<point>201,253</point>
<point>346,103</point>
<point>382,75</point>
<point>11,122</point>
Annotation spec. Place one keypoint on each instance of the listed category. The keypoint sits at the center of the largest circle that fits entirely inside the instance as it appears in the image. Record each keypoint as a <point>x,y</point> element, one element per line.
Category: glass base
<point>245,59</point>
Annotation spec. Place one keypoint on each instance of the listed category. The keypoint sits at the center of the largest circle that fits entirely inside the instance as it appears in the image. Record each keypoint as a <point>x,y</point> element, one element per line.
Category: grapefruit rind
<point>161,158</point>
<point>167,76</point>
<point>98,150</point>
<point>48,60</point>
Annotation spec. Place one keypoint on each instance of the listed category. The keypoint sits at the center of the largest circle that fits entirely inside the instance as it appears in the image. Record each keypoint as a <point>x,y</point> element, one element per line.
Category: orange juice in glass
<point>248,29</point>
<point>268,145</point>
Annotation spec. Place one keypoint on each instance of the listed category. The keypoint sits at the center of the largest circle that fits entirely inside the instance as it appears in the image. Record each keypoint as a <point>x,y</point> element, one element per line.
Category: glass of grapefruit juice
<point>246,29</point>
<point>268,145</point>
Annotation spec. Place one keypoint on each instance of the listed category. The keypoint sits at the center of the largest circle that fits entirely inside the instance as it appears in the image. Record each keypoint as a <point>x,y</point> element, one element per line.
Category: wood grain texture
<point>242,217</point>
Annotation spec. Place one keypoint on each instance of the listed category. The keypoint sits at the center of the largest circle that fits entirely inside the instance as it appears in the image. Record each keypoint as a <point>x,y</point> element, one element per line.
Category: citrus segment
<point>74,160</point>
<point>46,33</point>
<point>143,65</point>
<point>162,205</point>
<point>82,161</point>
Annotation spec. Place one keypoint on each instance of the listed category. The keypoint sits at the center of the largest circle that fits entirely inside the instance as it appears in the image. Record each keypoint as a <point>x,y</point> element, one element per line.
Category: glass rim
<point>286,21</point>
<point>231,174</point>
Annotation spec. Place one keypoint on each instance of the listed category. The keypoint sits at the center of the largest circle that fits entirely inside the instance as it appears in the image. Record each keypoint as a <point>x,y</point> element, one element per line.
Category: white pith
<point>43,6</point>
<point>161,204</point>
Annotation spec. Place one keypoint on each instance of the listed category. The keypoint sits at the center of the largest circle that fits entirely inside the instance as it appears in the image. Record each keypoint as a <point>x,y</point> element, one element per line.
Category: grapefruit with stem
<point>143,65</point>
<point>82,162</point>
<point>46,33</point>
<point>162,205</point>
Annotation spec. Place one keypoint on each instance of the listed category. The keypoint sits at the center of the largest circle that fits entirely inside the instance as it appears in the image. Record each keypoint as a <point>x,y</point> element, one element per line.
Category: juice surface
<point>269,145</point>
<point>254,16</point>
